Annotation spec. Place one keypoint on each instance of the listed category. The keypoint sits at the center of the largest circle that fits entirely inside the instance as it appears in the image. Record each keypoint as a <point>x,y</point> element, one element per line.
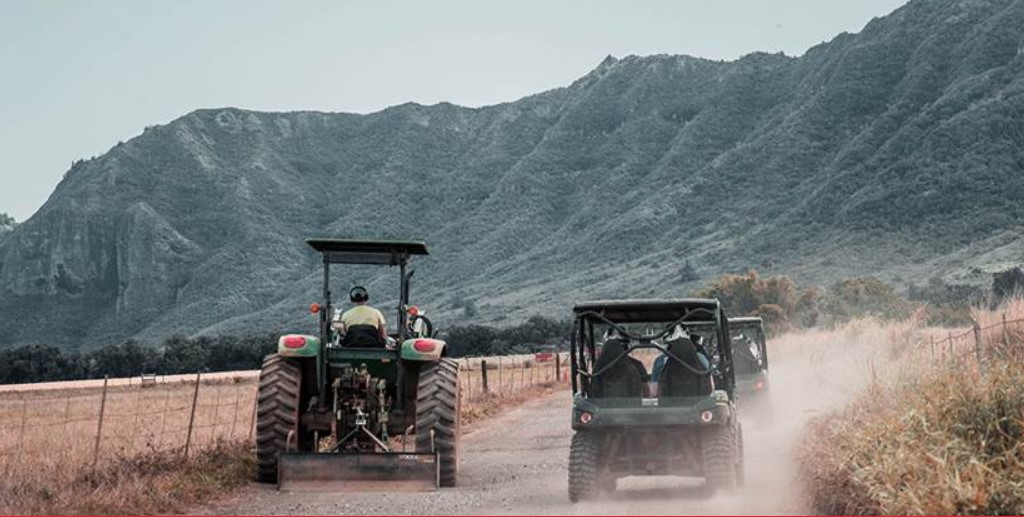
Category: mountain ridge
<point>895,151</point>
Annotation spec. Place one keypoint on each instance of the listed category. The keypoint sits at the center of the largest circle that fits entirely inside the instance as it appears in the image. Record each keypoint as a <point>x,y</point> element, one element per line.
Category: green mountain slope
<point>897,151</point>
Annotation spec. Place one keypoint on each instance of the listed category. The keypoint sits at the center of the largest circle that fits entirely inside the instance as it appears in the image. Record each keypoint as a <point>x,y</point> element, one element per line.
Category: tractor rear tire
<point>718,453</point>
<point>277,412</point>
<point>584,464</point>
<point>437,408</point>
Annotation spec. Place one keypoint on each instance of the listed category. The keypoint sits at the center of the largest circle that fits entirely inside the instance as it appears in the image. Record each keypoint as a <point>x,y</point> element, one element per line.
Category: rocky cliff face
<point>896,151</point>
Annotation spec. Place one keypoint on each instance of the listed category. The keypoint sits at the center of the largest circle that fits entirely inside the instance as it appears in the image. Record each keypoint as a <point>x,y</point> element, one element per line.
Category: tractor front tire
<point>584,464</point>
<point>437,409</point>
<point>277,412</point>
<point>718,452</point>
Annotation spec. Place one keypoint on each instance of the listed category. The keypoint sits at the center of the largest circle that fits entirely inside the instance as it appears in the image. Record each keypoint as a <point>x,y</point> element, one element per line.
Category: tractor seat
<point>623,379</point>
<point>676,380</point>
<point>362,336</point>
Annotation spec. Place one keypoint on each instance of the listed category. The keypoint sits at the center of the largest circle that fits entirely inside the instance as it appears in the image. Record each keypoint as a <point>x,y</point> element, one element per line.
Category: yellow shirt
<point>363,315</point>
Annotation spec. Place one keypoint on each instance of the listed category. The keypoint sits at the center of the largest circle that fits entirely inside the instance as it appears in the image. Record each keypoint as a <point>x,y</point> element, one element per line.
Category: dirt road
<point>517,462</point>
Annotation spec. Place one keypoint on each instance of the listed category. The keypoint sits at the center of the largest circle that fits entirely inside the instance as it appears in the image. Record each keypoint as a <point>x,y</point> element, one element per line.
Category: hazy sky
<point>77,76</point>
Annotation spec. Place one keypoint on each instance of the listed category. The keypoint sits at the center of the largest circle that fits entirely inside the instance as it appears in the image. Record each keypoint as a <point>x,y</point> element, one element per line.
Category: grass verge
<point>946,441</point>
<point>143,484</point>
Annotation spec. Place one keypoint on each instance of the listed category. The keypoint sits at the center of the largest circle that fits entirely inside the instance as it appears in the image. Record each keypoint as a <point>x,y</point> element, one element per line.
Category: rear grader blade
<point>358,472</point>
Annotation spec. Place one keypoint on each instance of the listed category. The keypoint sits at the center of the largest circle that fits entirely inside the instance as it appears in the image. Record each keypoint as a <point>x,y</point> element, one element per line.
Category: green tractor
<point>333,416</point>
<point>651,396</point>
<point>750,352</point>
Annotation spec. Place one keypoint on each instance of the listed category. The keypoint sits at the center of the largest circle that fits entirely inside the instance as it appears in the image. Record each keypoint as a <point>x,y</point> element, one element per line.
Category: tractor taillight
<point>414,311</point>
<point>586,418</point>
<point>314,308</point>
<point>424,345</point>
<point>759,385</point>
<point>294,341</point>
<point>706,416</point>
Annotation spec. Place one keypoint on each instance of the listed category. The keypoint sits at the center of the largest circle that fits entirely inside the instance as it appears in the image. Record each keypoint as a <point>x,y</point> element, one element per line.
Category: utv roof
<point>354,251</point>
<point>650,310</point>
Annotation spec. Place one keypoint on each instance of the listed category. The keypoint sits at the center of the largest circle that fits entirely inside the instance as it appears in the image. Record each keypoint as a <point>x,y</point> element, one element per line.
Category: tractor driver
<point>364,326</point>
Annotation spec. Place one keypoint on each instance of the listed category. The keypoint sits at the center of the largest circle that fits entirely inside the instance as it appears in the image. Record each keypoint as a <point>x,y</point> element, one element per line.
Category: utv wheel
<point>584,462</point>
<point>277,412</point>
<point>718,451</point>
<point>437,408</point>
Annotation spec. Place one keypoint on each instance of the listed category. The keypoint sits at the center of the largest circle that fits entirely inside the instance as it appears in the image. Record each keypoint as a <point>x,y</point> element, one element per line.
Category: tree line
<point>180,354</point>
<point>175,355</point>
<point>782,303</point>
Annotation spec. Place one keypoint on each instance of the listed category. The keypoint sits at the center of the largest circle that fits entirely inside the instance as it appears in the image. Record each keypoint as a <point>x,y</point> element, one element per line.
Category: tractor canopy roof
<point>354,251</point>
<point>640,311</point>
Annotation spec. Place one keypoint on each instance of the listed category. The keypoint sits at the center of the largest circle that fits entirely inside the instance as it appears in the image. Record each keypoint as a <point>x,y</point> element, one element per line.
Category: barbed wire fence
<point>499,376</point>
<point>86,426</point>
<point>76,427</point>
<point>978,345</point>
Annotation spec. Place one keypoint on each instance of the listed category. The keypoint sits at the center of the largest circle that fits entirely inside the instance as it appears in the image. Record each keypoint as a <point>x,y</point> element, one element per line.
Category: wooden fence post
<point>192,416</point>
<point>483,375</point>
<point>99,425</point>
<point>252,418</point>
<point>977,345</point>
<point>949,344</point>
<point>558,367</point>
<point>24,423</point>
<point>501,379</point>
<point>234,416</point>
<point>1006,334</point>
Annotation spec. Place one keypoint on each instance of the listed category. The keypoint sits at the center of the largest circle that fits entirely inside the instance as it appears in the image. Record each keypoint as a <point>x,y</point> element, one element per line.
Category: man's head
<point>358,295</point>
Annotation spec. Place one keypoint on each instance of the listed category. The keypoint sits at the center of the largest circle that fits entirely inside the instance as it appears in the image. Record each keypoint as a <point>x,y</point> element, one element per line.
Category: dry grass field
<point>936,433</point>
<point>50,461</point>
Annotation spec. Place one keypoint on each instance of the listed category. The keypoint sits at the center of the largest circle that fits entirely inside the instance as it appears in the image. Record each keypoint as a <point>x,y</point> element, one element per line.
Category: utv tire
<point>437,408</point>
<point>718,452</point>
<point>584,463</point>
<point>277,412</point>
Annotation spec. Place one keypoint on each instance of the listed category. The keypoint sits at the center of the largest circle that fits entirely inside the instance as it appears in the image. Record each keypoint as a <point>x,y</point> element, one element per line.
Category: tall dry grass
<point>50,463</point>
<point>933,433</point>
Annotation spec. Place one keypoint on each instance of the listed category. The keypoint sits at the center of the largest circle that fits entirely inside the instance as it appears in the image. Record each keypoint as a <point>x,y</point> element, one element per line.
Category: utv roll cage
<point>614,313</point>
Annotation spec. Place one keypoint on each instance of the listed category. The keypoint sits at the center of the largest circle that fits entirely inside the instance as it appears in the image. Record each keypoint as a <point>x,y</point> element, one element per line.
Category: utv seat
<point>622,379</point>
<point>676,380</point>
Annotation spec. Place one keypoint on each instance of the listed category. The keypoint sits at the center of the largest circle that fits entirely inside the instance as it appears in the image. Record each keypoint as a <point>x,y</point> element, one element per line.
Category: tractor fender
<point>423,349</point>
<point>298,345</point>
